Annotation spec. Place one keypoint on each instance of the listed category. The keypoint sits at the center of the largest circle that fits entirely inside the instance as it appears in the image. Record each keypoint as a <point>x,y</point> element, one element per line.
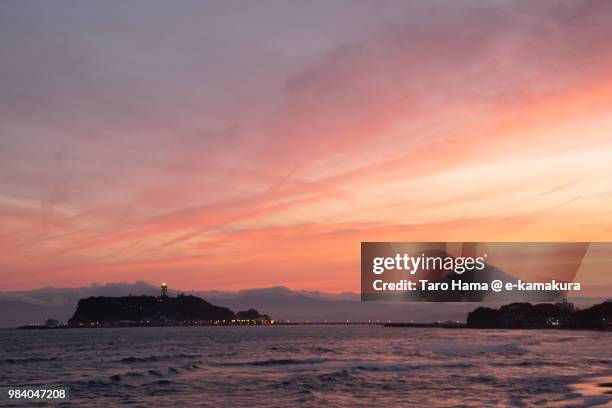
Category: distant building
<point>51,323</point>
<point>164,290</point>
<point>564,304</point>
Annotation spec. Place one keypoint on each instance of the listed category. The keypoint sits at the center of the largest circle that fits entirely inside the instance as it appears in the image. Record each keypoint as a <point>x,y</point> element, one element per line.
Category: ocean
<point>337,366</point>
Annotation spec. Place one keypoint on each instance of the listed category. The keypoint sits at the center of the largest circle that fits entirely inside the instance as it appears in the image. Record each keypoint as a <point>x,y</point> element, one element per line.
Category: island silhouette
<point>163,310</point>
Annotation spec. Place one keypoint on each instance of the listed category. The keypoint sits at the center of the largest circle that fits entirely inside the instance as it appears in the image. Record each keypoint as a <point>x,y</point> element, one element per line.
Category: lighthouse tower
<point>164,290</point>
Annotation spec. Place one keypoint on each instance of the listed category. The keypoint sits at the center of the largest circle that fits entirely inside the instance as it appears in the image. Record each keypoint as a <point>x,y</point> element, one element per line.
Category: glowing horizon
<point>227,147</point>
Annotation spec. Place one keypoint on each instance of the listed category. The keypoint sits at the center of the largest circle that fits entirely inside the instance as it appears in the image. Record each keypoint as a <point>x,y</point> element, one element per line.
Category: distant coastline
<point>188,310</point>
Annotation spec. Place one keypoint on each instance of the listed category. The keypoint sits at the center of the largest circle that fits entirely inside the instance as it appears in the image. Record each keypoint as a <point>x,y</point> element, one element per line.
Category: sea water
<point>281,366</point>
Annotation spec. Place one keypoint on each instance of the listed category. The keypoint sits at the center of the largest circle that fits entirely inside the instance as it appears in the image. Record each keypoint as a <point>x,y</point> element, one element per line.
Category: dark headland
<point>561,315</point>
<point>542,316</point>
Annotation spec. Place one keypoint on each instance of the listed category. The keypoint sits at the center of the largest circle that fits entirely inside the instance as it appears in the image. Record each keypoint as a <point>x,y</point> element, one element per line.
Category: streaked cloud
<point>255,144</point>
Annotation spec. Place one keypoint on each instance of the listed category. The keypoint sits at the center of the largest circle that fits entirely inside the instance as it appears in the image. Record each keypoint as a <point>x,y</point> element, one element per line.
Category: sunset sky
<point>229,145</point>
